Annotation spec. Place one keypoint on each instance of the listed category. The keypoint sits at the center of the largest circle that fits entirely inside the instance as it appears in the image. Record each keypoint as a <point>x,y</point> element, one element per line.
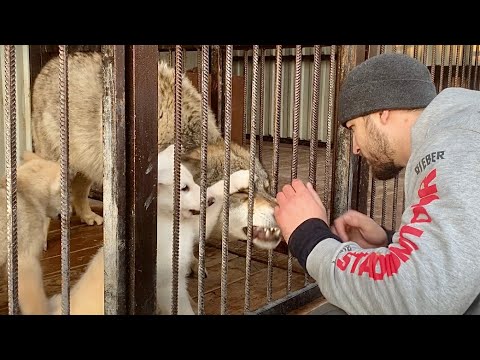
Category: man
<point>432,264</point>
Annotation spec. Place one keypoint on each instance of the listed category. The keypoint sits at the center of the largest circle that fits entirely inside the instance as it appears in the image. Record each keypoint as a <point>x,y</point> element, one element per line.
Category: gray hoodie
<point>433,263</point>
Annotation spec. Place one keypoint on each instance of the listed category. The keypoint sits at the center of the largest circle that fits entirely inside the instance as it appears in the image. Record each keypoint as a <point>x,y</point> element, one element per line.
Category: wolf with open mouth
<point>86,146</point>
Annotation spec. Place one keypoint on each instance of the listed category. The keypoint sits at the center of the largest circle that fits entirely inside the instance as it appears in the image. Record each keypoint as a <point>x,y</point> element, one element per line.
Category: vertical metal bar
<point>415,51</point>
<point>457,66</point>
<point>176,175</point>
<point>296,110</point>
<point>245,93</point>
<point>261,103</point>
<point>171,59</point>
<point>253,146</point>
<point>475,85</point>
<point>395,201</point>
<point>114,178</point>
<point>296,126</point>
<point>450,60</point>
<point>470,62</point>
<point>340,189</point>
<point>442,66</point>
<point>11,175</point>
<point>434,62</point>
<point>199,68</point>
<point>464,64</point>
<point>312,169</point>
<point>226,174</point>
<point>141,85</point>
<point>276,153</point>
<point>384,202</point>
<point>425,54</point>
<point>328,155</point>
<point>405,49</point>
<point>65,183</point>
<point>277,117</point>
<point>394,49</point>
<point>382,49</point>
<point>203,183</point>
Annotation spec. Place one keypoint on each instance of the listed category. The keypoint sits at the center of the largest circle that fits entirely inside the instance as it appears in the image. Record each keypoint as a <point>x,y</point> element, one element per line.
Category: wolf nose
<point>210,201</point>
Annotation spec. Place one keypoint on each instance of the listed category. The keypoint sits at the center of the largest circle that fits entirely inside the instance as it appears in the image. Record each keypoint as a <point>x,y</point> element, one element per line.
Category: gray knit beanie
<point>385,82</point>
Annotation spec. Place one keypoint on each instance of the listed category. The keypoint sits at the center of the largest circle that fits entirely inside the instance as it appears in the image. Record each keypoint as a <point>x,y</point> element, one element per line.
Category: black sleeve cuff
<point>389,235</point>
<point>306,236</point>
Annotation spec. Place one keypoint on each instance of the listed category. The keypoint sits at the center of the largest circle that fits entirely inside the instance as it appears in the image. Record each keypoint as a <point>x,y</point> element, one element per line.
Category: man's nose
<point>355,147</point>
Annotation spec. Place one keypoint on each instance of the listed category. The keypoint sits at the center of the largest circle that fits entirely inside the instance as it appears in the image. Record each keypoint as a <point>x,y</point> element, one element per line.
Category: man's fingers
<point>341,228</point>
<point>288,191</point>
<point>281,199</point>
<point>314,194</point>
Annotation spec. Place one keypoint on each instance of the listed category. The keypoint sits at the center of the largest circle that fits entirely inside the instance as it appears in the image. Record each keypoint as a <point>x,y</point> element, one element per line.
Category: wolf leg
<point>80,190</point>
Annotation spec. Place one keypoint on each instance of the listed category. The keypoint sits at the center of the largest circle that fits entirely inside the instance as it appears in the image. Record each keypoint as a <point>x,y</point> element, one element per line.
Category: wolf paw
<point>90,218</point>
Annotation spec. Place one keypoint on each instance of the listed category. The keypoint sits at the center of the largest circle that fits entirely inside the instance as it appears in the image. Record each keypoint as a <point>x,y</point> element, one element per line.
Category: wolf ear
<point>28,155</point>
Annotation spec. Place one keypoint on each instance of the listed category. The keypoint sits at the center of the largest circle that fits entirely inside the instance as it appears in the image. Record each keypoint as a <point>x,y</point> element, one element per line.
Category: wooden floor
<point>85,241</point>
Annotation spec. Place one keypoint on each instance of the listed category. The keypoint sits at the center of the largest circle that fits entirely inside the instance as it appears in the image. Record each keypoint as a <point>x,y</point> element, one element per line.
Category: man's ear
<point>384,114</point>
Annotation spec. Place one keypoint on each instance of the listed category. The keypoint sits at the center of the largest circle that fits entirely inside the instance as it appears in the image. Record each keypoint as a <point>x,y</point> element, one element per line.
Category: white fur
<point>87,294</point>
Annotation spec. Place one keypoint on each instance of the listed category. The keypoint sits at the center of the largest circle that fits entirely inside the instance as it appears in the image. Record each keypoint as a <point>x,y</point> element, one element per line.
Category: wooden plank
<point>236,272</point>
<point>141,100</point>
<point>258,291</point>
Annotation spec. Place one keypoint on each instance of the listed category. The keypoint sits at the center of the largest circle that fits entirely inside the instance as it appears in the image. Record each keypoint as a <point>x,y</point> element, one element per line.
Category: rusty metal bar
<point>245,94</point>
<point>65,182</point>
<point>340,190</point>
<point>226,174</point>
<point>457,66</point>
<point>442,65</point>
<point>425,54</point>
<point>277,116</point>
<point>296,110</point>
<point>11,177</point>
<point>276,153</point>
<point>434,62</point>
<point>253,146</point>
<point>470,62</point>
<point>261,104</point>
<point>477,65</point>
<point>199,67</point>
<point>359,169</point>
<point>176,176</point>
<point>141,85</point>
<point>296,127</point>
<point>394,49</point>
<point>203,183</point>
<point>405,49</point>
<point>450,61</point>
<point>114,178</point>
<point>415,51</point>
<point>395,202</point>
<point>312,168</point>
<point>328,154</point>
<point>384,203</point>
<point>382,49</point>
<point>464,64</point>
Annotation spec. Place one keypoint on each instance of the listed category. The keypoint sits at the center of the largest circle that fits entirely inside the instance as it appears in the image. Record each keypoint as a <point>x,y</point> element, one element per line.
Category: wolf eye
<point>185,188</point>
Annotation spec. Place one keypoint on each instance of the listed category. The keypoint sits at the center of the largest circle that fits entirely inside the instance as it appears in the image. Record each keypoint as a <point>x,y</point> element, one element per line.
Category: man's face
<point>374,146</point>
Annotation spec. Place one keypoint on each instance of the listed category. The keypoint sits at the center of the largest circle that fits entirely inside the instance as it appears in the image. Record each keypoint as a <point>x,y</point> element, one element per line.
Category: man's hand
<point>357,227</point>
<point>297,203</point>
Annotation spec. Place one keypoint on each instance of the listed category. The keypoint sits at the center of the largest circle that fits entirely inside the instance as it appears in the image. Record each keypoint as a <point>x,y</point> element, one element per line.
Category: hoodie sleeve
<point>432,266</point>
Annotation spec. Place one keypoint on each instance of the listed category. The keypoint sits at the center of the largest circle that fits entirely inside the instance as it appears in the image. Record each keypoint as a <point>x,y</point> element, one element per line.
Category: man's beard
<point>381,157</point>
